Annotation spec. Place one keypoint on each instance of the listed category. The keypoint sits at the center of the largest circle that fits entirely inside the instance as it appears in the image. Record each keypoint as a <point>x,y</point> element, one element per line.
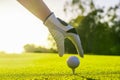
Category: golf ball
<point>73,62</point>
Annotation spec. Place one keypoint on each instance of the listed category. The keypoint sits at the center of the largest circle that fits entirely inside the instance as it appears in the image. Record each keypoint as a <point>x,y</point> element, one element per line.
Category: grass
<point>52,67</point>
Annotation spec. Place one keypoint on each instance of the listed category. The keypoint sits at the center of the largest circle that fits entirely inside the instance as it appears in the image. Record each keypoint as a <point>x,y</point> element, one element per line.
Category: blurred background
<point>96,21</point>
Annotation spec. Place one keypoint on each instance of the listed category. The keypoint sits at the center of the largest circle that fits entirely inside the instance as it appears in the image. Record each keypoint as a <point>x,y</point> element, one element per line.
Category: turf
<point>43,66</point>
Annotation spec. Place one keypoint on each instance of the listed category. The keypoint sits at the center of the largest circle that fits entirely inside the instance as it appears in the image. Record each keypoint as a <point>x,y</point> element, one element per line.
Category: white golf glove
<point>61,30</point>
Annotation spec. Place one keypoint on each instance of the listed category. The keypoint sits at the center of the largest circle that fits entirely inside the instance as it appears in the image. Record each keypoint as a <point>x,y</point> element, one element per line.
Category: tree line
<point>98,36</point>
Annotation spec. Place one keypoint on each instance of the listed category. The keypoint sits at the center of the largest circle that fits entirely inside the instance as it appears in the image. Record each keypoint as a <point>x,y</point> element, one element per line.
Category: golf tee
<point>73,70</point>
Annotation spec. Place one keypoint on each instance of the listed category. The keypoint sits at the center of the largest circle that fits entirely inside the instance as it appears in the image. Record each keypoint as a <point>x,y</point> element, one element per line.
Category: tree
<point>97,35</point>
<point>37,49</point>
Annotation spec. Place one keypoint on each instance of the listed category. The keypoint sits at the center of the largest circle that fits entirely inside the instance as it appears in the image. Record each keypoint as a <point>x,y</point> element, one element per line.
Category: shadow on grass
<point>76,76</point>
<point>87,78</point>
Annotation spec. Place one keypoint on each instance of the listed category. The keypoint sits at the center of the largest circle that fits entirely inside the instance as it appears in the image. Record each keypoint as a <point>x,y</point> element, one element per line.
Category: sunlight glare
<point>19,27</point>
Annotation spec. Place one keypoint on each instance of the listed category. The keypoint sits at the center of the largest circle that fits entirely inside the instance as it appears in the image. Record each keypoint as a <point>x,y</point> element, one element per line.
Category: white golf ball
<point>73,62</point>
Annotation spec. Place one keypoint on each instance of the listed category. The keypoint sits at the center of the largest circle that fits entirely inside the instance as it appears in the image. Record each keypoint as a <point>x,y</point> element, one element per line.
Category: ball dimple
<point>73,62</point>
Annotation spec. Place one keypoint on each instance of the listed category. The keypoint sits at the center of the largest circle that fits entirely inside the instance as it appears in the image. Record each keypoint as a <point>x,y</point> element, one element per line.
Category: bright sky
<point>19,27</point>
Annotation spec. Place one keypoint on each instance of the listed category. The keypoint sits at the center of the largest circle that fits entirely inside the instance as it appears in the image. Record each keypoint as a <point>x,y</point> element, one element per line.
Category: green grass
<point>52,67</point>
